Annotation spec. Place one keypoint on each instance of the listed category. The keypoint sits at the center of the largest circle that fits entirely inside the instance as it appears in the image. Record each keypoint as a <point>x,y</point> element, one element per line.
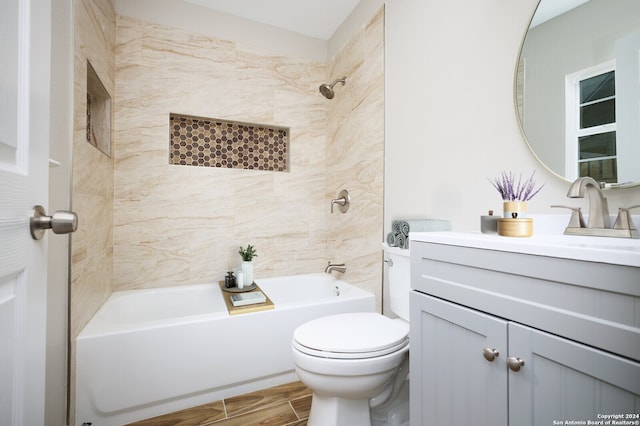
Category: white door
<point>24,144</point>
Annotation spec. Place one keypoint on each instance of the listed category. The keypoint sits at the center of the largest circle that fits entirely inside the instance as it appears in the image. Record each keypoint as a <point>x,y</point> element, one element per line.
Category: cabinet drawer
<point>596,304</point>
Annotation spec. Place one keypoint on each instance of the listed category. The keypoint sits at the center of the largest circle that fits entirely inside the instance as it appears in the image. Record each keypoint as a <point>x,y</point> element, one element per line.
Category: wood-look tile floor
<point>285,405</point>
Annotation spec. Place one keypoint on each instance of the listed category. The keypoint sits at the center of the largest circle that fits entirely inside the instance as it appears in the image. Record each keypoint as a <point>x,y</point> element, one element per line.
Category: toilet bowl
<point>345,360</point>
<point>357,360</point>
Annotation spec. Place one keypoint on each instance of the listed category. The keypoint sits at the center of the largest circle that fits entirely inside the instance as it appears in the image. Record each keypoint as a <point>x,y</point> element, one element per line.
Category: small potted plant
<point>247,255</point>
<point>515,194</point>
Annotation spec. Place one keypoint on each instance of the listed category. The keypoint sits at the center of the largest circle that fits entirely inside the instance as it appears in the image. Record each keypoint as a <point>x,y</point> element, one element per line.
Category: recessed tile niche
<point>209,142</point>
<point>98,112</point>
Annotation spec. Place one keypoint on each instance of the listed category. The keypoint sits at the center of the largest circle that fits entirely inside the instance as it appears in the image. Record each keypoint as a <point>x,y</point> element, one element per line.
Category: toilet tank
<point>399,280</point>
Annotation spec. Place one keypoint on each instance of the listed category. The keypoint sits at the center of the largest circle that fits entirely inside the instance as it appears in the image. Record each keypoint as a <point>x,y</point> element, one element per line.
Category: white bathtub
<point>150,352</point>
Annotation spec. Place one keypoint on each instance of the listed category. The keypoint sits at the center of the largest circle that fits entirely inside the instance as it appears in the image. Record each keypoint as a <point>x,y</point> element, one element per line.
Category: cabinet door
<point>562,380</point>
<point>452,383</point>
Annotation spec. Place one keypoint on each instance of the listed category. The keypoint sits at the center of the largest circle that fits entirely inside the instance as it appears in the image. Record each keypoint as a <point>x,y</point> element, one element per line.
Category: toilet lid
<point>353,335</point>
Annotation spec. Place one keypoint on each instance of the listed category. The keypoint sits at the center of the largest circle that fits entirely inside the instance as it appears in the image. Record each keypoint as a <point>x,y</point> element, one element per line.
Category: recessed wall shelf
<point>98,112</point>
<point>210,142</point>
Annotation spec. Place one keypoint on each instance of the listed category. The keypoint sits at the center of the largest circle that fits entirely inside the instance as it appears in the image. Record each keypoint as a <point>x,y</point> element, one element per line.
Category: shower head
<point>327,89</point>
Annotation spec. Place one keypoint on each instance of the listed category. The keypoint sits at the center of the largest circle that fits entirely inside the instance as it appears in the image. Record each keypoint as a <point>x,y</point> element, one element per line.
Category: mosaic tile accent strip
<point>209,142</point>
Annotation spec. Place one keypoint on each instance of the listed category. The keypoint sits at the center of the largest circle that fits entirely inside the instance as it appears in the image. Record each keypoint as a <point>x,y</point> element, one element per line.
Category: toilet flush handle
<point>389,262</point>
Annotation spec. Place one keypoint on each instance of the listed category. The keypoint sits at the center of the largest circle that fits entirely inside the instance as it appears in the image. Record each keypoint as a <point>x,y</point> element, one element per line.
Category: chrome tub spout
<point>339,267</point>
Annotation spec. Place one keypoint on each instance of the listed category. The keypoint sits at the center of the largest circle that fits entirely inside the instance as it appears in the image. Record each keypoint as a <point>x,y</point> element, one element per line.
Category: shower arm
<point>342,80</point>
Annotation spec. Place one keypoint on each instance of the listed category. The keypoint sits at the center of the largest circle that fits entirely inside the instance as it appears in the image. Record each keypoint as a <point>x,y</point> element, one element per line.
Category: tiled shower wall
<point>355,156</point>
<point>92,191</point>
<point>180,224</point>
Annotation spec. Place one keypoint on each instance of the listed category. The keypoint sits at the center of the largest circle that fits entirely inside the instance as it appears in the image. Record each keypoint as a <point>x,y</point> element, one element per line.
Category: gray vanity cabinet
<point>564,380</point>
<point>451,382</point>
<point>473,326</point>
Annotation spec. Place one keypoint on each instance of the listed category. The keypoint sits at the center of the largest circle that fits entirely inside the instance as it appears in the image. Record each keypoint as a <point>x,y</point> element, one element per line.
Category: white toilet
<point>356,361</point>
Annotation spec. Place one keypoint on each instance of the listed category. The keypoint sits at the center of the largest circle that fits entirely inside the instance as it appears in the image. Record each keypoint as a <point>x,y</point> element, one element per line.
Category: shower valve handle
<point>342,201</point>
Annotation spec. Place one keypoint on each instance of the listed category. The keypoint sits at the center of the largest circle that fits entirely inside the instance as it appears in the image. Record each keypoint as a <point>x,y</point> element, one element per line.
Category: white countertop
<point>617,251</point>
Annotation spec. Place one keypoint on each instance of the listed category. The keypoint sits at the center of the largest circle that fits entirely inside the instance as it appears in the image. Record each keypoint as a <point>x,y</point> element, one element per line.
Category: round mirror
<point>577,89</point>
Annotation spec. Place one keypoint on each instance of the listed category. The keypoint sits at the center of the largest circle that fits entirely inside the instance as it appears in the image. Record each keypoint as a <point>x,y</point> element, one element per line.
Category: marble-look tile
<point>92,169</point>
<point>165,240</point>
<point>94,24</point>
<point>214,211</point>
<point>171,224</point>
<point>92,188</point>
<point>95,227</point>
<point>128,49</point>
<point>90,287</point>
<point>358,115</point>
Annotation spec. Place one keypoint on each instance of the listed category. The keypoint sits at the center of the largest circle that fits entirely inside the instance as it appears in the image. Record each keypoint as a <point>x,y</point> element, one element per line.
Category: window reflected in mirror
<point>577,89</point>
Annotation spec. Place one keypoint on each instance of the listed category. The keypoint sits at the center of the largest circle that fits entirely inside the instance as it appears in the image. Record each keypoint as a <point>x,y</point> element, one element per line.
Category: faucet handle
<point>576,221</point>
<point>342,201</point>
<point>624,221</point>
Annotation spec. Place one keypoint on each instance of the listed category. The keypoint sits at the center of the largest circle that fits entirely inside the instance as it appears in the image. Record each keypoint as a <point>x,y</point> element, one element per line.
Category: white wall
<point>450,120</point>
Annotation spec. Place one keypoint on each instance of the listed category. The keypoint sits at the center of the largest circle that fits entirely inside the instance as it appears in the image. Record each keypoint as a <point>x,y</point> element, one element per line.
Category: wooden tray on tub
<point>234,310</point>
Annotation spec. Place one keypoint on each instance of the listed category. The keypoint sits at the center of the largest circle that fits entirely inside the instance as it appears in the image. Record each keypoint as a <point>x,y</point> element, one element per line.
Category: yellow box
<point>515,227</point>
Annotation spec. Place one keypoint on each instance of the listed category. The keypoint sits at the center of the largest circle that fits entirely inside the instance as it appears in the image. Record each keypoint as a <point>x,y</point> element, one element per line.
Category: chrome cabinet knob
<point>490,354</point>
<point>62,222</point>
<point>514,363</point>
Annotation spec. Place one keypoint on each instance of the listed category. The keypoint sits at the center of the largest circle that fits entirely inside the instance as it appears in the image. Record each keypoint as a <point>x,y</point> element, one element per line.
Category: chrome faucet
<point>340,267</point>
<point>599,224</point>
<point>598,208</point>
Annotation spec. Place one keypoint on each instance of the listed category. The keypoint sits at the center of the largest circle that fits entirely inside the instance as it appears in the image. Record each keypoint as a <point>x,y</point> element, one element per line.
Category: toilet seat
<point>351,336</point>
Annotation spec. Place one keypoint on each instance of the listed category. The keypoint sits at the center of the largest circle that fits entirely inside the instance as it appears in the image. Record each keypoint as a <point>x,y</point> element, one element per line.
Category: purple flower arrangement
<point>511,191</point>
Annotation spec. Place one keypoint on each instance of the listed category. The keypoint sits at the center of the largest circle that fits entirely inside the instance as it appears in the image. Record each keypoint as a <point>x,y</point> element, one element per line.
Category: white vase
<point>247,272</point>
<point>517,207</point>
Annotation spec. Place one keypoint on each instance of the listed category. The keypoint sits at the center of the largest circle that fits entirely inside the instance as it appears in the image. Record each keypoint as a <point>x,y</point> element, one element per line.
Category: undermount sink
<point>547,240</point>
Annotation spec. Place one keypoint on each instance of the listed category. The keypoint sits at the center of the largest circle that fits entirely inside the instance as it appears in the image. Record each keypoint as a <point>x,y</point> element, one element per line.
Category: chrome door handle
<point>62,222</point>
